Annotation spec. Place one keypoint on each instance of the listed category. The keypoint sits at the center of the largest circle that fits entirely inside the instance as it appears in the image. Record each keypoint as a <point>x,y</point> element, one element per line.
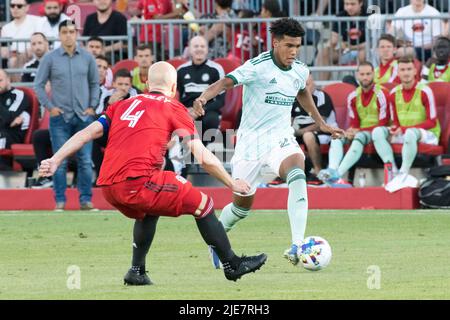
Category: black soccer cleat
<point>247,265</point>
<point>133,278</point>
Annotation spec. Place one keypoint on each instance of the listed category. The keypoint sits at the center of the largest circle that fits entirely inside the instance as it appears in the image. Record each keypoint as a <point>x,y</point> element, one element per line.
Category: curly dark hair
<point>286,27</point>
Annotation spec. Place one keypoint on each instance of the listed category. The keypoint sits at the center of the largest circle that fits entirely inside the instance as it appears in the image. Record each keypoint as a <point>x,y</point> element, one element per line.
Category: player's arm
<point>306,101</point>
<point>214,167</point>
<point>211,92</point>
<point>75,143</point>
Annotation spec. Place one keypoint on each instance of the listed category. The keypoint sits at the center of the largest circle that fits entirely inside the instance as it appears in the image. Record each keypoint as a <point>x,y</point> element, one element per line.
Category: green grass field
<point>411,251</point>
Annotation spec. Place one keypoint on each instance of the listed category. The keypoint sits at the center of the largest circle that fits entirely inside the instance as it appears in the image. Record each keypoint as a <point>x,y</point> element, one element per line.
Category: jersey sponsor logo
<point>273,81</point>
<point>279,99</point>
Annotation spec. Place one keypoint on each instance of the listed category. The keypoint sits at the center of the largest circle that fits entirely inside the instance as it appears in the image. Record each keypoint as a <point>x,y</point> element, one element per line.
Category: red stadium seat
<point>124,64</point>
<point>233,97</point>
<point>339,93</point>
<point>176,62</point>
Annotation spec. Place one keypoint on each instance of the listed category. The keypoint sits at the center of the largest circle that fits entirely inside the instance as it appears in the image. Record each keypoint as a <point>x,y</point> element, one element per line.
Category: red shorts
<point>162,194</point>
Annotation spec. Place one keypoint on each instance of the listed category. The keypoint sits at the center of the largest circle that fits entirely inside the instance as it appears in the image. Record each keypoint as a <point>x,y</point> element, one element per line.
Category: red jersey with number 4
<point>139,130</point>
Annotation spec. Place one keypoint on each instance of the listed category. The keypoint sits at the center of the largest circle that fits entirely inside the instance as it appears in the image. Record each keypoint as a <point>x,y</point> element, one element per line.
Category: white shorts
<point>267,168</point>
<point>426,136</point>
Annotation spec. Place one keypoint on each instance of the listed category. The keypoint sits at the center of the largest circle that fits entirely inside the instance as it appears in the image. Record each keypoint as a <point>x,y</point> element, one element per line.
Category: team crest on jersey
<point>181,179</point>
<point>297,84</point>
<point>205,77</point>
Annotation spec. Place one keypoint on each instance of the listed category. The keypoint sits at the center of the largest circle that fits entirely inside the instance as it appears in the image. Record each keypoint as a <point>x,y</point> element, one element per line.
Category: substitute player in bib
<point>138,131</point>
<point>266,146</point>
<point>414,117</point>
<point>367,108</point>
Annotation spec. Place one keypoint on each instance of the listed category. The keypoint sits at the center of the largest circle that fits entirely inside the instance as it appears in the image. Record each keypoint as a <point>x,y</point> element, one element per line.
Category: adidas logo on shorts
<point>273,81</point>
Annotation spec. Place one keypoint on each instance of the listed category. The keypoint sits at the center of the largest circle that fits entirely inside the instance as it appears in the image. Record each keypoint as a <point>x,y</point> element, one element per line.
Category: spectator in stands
<point>194,77</point>
<point>156,10</point>
<point>414,117</point>
<point>244,47</point>
<point>22,26</point>
<point>39,47</point>
<point>53,17</point>
<point>307,131</point>
<point>438,68</point>
<point>215,33</point>
<point>14,115</point>
<point>102,68</point>
<point>144,58</point>
<point>387,69</point>
<point>351,48</point>
<point>73,75</point>
<point>107,22</point>
<point>418,33</point>
<point>96,47</point>
<point>367,109</point>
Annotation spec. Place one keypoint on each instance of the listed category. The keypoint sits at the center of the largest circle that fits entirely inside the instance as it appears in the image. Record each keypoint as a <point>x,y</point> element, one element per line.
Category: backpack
<point>434,192</point>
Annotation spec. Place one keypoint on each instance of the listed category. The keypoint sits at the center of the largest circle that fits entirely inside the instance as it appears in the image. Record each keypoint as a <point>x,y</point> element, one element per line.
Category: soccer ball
<point>315,253</point>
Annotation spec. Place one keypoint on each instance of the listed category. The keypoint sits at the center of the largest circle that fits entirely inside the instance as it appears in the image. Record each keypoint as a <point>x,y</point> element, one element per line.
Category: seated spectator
<point>96,46</point>
<point>417,33</point>
<point>122,89</point>
<point>39,47</point>
<point>14,115</point>
<point>367,109</point>
<point>144,59</point>
<point>194,77</point>
<point>22,26</point>
<point>156,10</point>
<point>387,69</point>
<point>107,22</point>
<point>307,131</point>
<point>244,47</point>
<point>352,47</point>
<point>54,15</point>
<point>438,67</point>
<point>102,68</point>
<point>215,33</point>
<point>414,117</point>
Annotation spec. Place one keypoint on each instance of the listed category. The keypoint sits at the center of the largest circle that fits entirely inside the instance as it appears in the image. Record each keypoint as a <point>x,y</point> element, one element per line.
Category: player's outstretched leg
<point>215,236</point>
<point>143,233</point>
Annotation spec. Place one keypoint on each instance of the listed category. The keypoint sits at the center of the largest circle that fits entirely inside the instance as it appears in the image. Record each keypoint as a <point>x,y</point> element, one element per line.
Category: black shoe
<point>42,183</point>
<point>312,180</point>
<point>247,265</point>
<point>133,278</point>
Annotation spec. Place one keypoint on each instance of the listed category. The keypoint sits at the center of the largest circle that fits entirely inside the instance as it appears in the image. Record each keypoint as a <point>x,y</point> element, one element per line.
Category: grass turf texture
<point>411,250</point>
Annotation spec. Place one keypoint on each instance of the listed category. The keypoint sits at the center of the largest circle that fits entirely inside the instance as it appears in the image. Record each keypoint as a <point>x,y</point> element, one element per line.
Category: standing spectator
<point>438,69</point>
<point>194,77</point>
<point>107,22</point>
<point>53,17</point>
<point>73,76</point>
<point>156,10</point>
<point>96,47</point>
<point>14,115</point>
<point>417,32</point>
<point>307,132</point>
<point>39,47</point>
<point>144,58</point>
<point>414,117</point>
<point>368,109</point>
<point>387,69</point>
<point>22,26</point>
<point>215,34</point>
<point>352,46</point>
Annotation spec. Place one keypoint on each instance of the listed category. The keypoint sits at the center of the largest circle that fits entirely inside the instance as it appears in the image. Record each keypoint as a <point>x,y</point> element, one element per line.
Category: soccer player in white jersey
<point>266,146</point>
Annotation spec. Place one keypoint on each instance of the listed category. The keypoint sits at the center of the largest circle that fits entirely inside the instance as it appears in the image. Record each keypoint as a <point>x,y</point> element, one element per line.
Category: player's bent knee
<point>412,135</point>
<point>379,133</point>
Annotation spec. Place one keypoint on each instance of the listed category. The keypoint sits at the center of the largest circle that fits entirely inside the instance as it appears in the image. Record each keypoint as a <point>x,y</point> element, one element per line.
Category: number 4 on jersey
<point>133,118</point>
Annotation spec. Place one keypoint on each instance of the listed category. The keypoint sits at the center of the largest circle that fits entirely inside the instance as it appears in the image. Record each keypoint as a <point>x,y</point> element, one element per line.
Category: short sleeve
<point>183,125</point>
<point>243,74</point>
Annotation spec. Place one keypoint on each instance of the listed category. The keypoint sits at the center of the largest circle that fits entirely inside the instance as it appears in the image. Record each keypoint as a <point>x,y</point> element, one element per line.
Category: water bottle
<point>362,179</point>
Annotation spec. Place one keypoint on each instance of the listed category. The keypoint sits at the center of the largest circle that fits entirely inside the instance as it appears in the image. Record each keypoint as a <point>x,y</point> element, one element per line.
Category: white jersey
<point>268,94</point>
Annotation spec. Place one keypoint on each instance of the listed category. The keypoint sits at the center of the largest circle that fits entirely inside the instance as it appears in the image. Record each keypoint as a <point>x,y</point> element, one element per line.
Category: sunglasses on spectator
<point>18,6</point>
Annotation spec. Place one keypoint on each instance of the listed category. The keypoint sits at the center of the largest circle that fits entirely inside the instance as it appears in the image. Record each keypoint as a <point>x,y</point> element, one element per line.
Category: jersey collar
<point>279,66</point>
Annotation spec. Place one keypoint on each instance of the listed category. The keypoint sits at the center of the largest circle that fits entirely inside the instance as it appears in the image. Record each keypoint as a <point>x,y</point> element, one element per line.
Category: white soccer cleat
<point>401,181</point>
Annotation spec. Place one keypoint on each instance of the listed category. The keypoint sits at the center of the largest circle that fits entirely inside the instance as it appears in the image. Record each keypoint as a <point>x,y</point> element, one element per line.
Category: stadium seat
<point>176,62</point>
<point>228,65</point>
<point>338,93</point>
<point>124,64</point>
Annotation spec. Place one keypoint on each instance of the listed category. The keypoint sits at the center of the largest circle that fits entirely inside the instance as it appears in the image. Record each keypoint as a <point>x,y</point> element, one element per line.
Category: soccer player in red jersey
<point>132,178</point>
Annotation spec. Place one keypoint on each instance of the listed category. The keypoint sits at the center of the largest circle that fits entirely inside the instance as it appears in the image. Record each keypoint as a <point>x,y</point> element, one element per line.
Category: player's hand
<point>194,115</point>
<point>17,121</point>
<point>240,186</point>
<point>47,168</point>
<point>54,112</point>
<point>336,133</point>
<point>395,130</point>
<point>89,112</point>
<point>116,96</point>
<point>199,105</point>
